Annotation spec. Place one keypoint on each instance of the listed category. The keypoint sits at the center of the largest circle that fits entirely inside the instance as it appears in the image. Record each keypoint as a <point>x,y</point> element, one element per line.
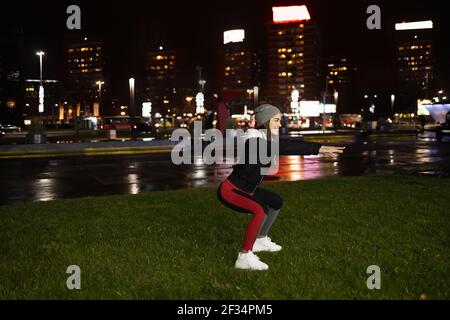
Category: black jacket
<point>247,174</point>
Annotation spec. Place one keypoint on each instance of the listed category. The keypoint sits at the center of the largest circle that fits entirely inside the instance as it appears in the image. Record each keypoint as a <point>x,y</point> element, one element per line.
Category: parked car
<point>9,128</point>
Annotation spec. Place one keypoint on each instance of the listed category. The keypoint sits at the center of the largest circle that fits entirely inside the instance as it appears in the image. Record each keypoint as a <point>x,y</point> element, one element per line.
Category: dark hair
<point>266,127</point>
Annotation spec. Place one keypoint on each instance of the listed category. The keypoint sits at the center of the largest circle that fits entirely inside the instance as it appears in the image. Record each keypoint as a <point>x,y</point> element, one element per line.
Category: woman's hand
<point>330,151</point>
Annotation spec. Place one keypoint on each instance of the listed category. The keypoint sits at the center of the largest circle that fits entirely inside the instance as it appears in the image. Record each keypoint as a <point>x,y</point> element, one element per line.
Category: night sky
<point>194,28</point>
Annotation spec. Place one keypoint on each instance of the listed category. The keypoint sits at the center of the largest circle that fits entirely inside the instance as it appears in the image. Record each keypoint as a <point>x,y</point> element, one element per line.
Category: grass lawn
<point>182,244</point>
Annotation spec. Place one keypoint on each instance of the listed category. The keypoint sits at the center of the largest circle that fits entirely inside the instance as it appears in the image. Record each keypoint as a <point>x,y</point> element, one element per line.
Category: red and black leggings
<point>257,203</point>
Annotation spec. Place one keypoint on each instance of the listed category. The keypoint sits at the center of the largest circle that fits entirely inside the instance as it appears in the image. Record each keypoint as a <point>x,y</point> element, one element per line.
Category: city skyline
<point>195,31</point>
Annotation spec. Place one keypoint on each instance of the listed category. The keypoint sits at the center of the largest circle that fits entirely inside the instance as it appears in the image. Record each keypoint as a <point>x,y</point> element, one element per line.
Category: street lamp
<point>202,83</point>
<point>199,101</point>
<point>131,83</point>
<point>99,83</point>
<point>336,97</point>
<point>392,102</point>
<point>41,87</point>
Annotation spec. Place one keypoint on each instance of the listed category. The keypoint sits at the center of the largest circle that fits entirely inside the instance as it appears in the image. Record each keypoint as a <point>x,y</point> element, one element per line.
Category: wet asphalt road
<point>46,179</point>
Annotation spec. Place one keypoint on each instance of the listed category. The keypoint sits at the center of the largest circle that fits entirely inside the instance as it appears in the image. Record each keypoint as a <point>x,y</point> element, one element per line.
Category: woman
<point>241,191</point>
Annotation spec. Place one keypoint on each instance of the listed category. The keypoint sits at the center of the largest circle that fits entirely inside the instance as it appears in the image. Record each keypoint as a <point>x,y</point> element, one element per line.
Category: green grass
<point>182,244</point>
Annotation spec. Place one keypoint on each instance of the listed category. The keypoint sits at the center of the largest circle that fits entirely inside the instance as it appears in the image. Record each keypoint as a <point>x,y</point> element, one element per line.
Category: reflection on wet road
<point>54,178</point>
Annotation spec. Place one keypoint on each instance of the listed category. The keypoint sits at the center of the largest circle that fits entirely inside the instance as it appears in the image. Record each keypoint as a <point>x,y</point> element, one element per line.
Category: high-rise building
<point>293,56</point>
<point>161,87</point>
<point>240,71</point>
<point>339,78</point>
<point>415,63</point>
<point>338,75</point>
<point>85,68</point>
<point>14,55</point>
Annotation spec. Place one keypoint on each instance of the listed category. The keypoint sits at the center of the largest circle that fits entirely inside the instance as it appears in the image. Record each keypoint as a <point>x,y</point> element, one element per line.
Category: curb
<point>45,153</point>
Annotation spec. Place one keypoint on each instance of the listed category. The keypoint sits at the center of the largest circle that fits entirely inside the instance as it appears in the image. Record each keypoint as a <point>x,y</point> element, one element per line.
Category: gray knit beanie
<point>264,113</point>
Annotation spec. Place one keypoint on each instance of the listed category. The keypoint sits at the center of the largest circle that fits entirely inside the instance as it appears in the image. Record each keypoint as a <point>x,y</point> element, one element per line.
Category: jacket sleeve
<point>292,146</point>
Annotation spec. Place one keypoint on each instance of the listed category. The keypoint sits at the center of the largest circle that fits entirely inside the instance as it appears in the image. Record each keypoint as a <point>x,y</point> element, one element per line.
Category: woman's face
<point>275,124</point>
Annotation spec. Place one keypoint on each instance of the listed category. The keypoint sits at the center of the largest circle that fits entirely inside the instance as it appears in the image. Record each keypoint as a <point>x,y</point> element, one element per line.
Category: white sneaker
<point>265,244</point>
<point>250,261</point>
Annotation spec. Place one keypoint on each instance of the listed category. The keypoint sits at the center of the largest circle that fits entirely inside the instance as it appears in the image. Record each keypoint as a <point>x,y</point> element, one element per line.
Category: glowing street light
<point>392,102</point>
<point>295,95</point>
<point>41,87</point>
<point>250,92</point>
<point>100,83</point>
<point>336,97</point>
<point>131,83</point>
<point>202,83</point>
<point>199,101</point>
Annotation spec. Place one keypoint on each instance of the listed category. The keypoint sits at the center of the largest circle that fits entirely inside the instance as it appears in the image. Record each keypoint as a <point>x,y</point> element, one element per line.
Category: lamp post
<point>133,131</point>
<point>188,100</point>
<point>392,103</point>
<point>41,87</point>
<point>99,83</point>
<point>202,83</point>
<point>131,83</point>
<point>250,92</point>
<point>325,93</point>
